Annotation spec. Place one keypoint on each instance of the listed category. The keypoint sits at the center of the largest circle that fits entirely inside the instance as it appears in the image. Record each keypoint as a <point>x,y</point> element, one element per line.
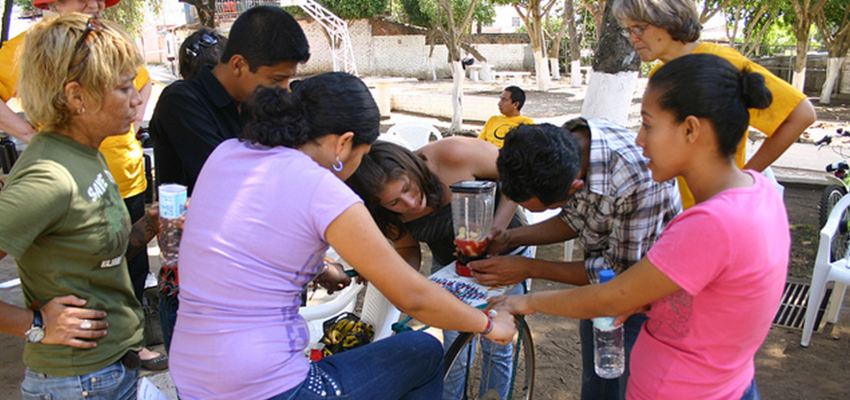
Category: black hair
<point>200,49</point>
<point>709,87</point>
<point>329,103</point>
<point>388,162</point>
<point>266,36</point>
<point>539,161</point>
<point>517,96</point>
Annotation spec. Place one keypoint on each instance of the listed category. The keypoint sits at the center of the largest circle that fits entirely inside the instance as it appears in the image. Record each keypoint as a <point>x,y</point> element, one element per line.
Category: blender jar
<point>473,204</point>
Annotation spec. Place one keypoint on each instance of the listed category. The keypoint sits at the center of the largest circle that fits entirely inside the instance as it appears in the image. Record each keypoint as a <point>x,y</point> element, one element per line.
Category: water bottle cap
<point>605,275</point>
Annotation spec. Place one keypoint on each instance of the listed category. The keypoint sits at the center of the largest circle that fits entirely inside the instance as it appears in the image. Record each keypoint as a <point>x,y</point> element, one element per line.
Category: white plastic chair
<point>768,172</point>
<point>825,271</point>
<point>415,134</point>
<point>377,310</point>
<point>535,217</point>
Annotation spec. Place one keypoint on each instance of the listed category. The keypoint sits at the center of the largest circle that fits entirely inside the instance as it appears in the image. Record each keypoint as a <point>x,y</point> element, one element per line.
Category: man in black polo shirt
<point>192,117</point>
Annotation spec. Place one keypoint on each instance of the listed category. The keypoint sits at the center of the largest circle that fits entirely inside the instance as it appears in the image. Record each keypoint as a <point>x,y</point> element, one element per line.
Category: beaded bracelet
<point>489,314</point>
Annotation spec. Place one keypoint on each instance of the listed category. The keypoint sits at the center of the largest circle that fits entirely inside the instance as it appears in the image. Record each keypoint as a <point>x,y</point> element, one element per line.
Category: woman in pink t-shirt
<point>714,278</point>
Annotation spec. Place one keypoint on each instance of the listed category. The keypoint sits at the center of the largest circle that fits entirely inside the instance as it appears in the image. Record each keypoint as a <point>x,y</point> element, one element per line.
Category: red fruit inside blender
<point>472,244</point>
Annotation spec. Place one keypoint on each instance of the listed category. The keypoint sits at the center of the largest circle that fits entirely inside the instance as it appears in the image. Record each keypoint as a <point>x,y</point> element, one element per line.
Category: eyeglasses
<point>206,41</point>
<point>93,25</point>
<point>636,30</point>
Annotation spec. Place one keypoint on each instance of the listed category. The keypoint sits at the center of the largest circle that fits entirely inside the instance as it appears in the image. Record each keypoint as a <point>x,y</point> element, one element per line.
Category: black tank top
<point>437,231</point>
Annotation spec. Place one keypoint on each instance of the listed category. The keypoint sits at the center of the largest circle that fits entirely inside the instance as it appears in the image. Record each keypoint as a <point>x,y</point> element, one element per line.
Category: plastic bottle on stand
<point>609,355</point>
<point>172,205</point>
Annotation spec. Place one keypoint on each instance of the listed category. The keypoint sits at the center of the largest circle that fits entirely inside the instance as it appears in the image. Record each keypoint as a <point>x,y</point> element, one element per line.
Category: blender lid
<point>472,186</point>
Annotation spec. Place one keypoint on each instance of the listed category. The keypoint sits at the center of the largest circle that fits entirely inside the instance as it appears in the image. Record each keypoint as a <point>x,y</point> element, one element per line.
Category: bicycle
<point>379,312</point>
<point>838,187</point>
<point>466,357</point>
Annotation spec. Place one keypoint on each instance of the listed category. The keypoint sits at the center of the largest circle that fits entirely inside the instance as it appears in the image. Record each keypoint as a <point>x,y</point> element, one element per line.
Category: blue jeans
<point>406,366</point>
<point>110,383</point>
<point>752,392</point>
<point>167,317</point>
<point>498,359</point>
<point>592,386</point>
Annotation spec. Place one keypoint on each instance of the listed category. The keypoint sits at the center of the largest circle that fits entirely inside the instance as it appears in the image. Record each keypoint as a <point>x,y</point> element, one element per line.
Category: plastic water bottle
<point>609,355</point>
<point>172,205</point>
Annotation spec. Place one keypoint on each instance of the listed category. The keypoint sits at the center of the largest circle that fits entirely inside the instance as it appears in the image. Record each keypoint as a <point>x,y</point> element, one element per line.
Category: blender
<point>473,204</point>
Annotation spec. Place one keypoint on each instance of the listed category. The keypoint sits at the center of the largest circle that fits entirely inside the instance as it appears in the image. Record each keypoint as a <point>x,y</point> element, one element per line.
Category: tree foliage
<point>354,9</point>
<point>833,23</point>
<point>130,14</point>
<point>425,12</point>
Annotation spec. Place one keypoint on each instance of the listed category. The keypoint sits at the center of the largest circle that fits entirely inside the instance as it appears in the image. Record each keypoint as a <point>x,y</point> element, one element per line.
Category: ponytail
<point>709,87</point>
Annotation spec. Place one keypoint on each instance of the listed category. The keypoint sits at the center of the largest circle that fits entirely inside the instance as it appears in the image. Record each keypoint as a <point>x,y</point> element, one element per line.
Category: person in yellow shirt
<point>123,153</point>
<point>667,29</point>
<point>498,126</point>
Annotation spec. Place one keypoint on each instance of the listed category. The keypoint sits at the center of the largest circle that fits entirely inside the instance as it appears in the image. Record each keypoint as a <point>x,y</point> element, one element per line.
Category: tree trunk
<point>541,70</point>
<point>555,52</point>
<point>575,44</point>
<point>799,79</point>
<point>534,24</point>
<point>457,96</point>
<point>555,68</point>
<point>7,20</point>
<point>615,72</point>
<point>833,68</point>
<point>206,11</point>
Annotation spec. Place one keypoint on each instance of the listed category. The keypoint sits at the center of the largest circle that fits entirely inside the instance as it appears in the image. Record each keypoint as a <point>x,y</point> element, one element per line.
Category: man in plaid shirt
<point>593,171</point>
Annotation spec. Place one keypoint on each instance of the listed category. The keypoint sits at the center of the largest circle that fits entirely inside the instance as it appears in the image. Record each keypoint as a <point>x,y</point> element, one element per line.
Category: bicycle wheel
<point>473,372</point>
<point>831,195</point>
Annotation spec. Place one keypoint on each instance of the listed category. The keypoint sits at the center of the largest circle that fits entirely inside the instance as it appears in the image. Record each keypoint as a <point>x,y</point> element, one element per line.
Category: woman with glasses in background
<point>63,219</point>
<point>667,29</point>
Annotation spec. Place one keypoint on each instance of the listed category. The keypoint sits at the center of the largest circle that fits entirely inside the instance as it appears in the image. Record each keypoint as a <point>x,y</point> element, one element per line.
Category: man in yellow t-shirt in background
<point>498,126</point>
<point>123,153</point>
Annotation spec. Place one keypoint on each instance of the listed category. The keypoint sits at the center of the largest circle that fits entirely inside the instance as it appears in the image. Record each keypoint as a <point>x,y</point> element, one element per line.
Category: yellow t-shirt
<point>498,126</point>
<point>767,121</point>
<point>123,153</point>
<point>9,70</point>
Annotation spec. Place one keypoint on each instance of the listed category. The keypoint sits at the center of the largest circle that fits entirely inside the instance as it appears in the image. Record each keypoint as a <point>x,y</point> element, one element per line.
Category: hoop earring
<point>338,166</point>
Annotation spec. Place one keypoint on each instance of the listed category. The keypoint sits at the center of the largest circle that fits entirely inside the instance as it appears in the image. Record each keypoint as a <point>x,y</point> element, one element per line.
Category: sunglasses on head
<point>92,25</point>
<point>206,41</point>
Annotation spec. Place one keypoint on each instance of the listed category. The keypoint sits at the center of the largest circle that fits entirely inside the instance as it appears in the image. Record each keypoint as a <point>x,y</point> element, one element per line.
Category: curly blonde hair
<point>63,50</point>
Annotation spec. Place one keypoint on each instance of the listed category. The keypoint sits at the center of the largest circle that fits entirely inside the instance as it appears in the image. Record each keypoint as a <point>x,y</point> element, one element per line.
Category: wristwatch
<point>36,331</point>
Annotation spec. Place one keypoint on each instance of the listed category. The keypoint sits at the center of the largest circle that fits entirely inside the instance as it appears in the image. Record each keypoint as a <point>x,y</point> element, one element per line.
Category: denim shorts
<point>114,382</point>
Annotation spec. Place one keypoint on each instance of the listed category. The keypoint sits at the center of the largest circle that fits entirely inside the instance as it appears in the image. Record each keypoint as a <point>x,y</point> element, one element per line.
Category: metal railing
<point>231,9</point>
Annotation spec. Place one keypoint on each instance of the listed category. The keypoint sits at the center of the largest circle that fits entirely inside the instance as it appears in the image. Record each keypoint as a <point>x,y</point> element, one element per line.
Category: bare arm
<point>638,286</point>
<point>552,230</point>
<point>143,231</point>
<point>14,125</point>
<point>373,257</point>
<point>507,270</point>
<point>801,118</point>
